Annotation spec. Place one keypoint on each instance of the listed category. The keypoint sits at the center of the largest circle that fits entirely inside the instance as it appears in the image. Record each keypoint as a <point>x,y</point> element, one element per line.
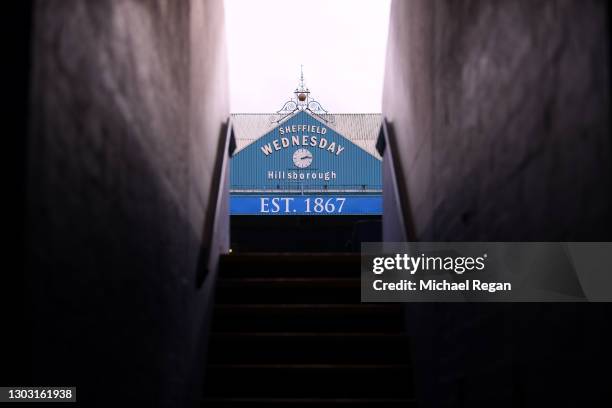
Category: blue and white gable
<point>305,153</point>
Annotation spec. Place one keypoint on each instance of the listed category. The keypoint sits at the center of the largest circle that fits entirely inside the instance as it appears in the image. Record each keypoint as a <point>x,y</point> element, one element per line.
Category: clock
<point>302,158</point>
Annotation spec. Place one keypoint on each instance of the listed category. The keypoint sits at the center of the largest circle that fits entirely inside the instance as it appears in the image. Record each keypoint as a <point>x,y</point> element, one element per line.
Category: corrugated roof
<point>360,128</point>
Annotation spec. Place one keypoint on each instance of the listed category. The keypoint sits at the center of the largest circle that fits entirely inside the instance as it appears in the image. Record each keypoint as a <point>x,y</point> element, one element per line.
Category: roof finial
<point>302,102</point>
<point>301,76</point>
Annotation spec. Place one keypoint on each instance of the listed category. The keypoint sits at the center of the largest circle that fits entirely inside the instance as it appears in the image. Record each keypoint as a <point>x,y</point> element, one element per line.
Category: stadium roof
<point>360,128</point>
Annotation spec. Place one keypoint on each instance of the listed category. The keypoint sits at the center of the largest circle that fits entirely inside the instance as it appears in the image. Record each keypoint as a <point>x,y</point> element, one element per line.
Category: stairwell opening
<point>306,176</point>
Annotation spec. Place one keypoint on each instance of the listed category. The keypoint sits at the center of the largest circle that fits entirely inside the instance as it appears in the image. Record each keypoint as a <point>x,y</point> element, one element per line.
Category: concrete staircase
<point>289,331</point>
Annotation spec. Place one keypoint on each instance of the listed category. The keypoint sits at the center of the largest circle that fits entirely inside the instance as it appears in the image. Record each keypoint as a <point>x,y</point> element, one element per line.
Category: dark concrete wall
<point>501,112</point>
<point>128,100</point>
<point>14,301</point>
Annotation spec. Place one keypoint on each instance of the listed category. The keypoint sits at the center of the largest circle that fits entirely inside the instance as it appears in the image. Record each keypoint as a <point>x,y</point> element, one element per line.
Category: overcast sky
<point>341,43</point>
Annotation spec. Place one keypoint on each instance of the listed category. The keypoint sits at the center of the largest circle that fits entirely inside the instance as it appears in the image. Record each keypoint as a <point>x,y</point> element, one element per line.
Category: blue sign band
<point>305,205</point>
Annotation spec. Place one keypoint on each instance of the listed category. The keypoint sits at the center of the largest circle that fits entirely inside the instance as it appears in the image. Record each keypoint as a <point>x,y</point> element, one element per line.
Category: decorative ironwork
<point>302,102</point>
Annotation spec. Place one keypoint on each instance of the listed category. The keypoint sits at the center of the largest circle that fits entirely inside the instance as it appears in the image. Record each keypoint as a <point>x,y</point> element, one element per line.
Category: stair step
<point>316,348</point>
<point>290,265</point>
<point>289,329</point>
<point>309,402</point>
<point>288,290</point>
<point>309,380</point>
<point>308,318</point>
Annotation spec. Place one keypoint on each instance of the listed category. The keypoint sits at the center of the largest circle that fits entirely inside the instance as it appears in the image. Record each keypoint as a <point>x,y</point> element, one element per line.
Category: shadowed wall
<point>501,111</point>
<point>502,115</point>
<point>128,101</point>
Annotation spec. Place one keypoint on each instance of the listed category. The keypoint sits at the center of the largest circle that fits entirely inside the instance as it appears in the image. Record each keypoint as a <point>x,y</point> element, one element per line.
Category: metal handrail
<point>397,218</point>
<point>215,239</point>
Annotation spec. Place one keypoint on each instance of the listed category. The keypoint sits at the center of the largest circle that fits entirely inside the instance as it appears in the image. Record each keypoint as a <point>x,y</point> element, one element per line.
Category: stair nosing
<point>313,334</point>
<point>306,306</point>
<point>284,279</point>
<point>312,366</point>
<point>309,400</point>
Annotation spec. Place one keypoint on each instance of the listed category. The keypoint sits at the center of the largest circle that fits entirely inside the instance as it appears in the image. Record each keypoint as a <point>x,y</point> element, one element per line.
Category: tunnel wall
<point>501,112</point>
<point>128,100</point>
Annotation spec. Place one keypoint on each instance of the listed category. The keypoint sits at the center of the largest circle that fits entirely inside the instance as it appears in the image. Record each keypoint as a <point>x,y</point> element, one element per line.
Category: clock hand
<point>305,157</point>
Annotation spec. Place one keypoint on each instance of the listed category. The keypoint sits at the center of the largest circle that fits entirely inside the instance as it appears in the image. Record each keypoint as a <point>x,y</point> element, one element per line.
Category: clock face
<point>302,158</point>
